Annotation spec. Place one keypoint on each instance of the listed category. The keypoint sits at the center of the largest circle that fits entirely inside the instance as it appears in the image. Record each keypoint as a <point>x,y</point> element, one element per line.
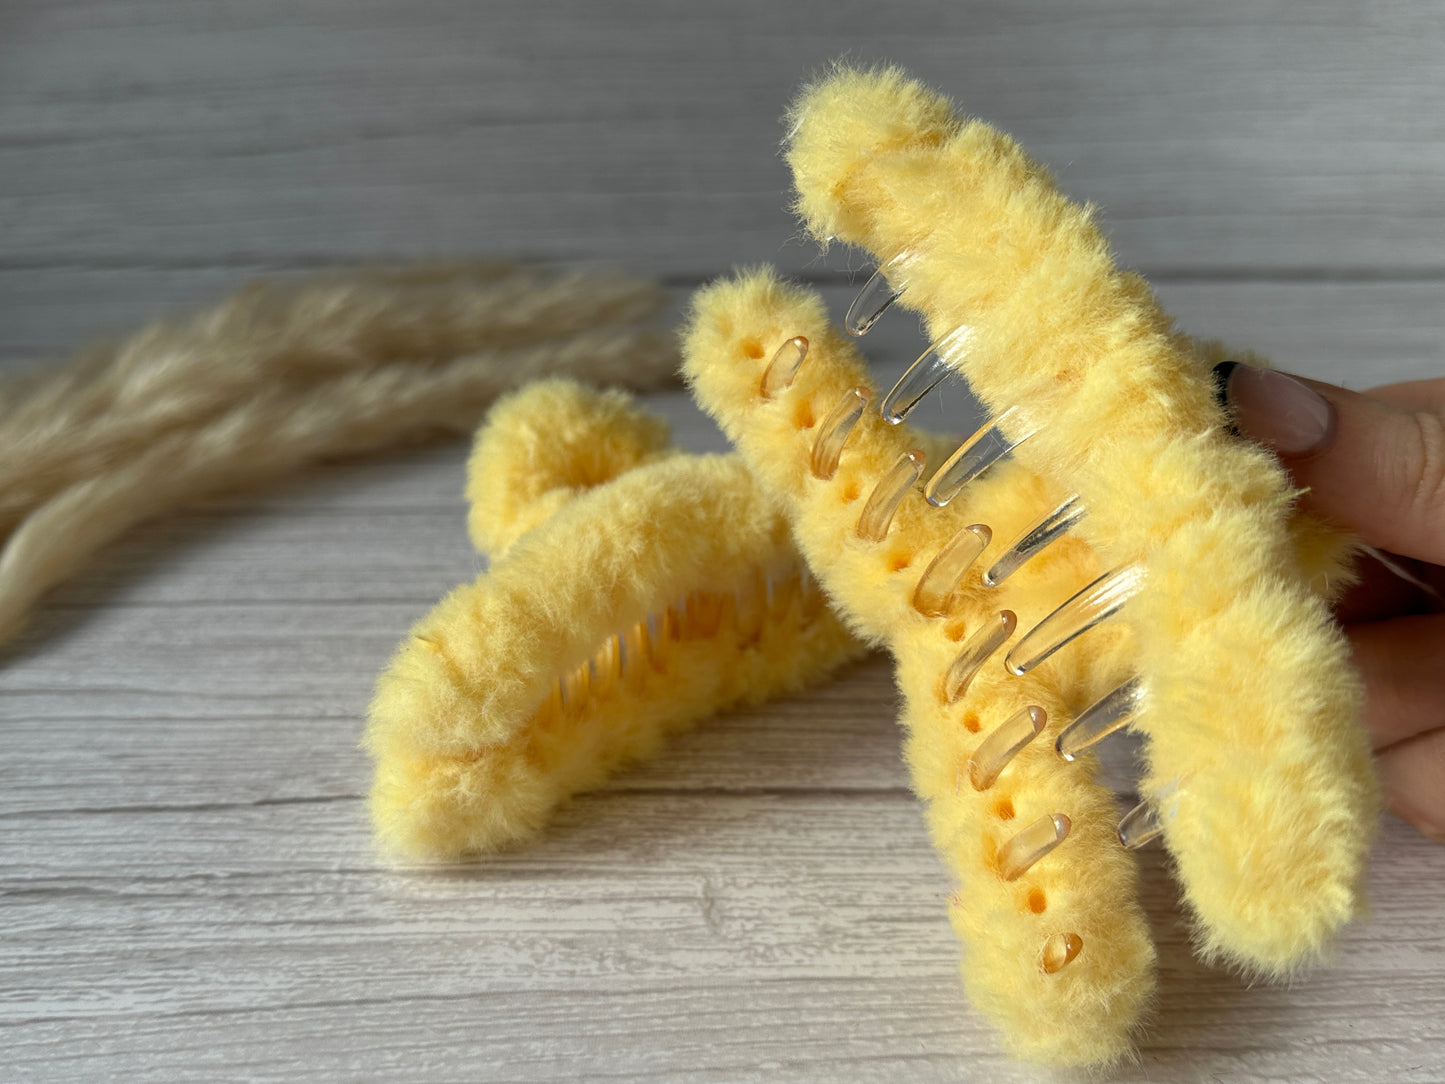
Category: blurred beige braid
<point>280,376</point>
<point>75,423</point>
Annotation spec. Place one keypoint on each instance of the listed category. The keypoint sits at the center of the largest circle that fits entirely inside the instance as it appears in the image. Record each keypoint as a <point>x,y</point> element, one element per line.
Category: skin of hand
<point>1374,462</point>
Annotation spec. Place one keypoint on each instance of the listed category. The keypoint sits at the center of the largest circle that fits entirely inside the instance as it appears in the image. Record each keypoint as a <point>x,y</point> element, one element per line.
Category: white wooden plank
<point>132,732</point>
<point>1249,137</point>
<point>687,909</point>
<point>783,1030</point>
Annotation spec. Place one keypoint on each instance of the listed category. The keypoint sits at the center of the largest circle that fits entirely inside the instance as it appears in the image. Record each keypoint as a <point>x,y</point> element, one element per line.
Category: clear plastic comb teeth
<point>951,578</point>
<point>1071,618</point>
<point>932,368</point>
<point>885,286</point>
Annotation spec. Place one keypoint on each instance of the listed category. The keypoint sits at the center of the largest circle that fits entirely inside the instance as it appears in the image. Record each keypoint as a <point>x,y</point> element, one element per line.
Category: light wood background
<point>187,888</point>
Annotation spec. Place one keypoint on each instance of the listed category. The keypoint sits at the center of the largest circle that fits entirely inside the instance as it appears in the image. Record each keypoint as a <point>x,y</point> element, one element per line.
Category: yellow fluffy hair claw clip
<point>633,591</point>
<point>1102,553</point>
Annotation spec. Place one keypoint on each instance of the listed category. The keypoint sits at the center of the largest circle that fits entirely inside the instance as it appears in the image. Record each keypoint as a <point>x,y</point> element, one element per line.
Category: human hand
<point>1374,462</point>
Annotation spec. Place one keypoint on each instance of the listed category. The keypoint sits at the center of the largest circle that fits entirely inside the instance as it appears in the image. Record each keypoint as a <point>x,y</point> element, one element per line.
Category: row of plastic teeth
<point>766,598</point>
<point>932,596</point>
<point>995,439</point>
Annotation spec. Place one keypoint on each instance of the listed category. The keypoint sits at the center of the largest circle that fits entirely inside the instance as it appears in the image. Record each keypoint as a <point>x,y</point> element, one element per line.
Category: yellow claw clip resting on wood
<point>1147,569</point>
<point>634,590</point>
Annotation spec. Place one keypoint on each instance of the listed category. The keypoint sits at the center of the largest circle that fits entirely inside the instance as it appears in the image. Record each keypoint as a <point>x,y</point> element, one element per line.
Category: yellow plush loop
<point>1082,893</point>
<point>546,444</point>
<point>1255,755</point>
<point>658,589</point>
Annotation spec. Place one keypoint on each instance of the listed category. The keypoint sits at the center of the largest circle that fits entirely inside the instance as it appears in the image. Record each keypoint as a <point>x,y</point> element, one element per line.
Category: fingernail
<point>1276,409</point>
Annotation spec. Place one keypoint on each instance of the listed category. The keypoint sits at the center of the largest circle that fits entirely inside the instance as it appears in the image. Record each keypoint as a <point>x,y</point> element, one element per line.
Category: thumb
<point>1370,466</point>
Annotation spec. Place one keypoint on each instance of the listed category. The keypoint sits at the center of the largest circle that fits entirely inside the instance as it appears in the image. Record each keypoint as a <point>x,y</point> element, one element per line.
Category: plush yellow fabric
<point>1252,705</point>
<point>539,450</point>
<point>1087,886</point>
<point>637,591</point>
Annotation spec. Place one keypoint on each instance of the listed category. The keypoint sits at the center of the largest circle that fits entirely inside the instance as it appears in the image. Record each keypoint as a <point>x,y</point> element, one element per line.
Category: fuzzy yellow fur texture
<point>1019,928</point>
<point>634,590</point>
<point>1256,760</point>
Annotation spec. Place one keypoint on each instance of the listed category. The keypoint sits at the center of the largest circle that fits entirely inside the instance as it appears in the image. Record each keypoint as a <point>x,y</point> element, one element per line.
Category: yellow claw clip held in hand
<point>1101,553</point>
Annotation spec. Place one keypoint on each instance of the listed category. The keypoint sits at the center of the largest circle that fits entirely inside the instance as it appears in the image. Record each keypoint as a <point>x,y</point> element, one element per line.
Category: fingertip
<point>1366,465</point>
<point>1412,775</point>
<point>1277,410</point>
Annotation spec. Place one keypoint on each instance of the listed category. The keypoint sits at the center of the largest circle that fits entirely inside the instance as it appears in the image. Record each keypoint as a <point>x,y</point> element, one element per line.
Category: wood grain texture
<point>187,889</point>
<point>1241,136</point>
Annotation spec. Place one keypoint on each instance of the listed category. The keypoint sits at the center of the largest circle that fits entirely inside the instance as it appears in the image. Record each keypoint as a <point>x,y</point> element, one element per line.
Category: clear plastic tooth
<point>812,595</point>
<point>837,427</point>
<point>945,572</point>
<point>974,456</point>
<point>1096,602</point>
<point>1140,826</point>
<point>888,494</point>
<point>975,653</point>
<point>607,666</point>
<point>691,615</point>
<point>1035,540</point>
<point>925,374</point>
<point>703,615</point>
<point>1110,713</point>
<point>551,708</point>
<point>784,589</point>
<point>1019,854</point>
<point>575,685</point>
<point>779,374</point>
<point>885,286</point>
<point>752,606</point>
<point>663,631</point>
<point>1059,952</point>
<point>727,606</point>
<point>636,653</point>
<point>1004,743</point>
